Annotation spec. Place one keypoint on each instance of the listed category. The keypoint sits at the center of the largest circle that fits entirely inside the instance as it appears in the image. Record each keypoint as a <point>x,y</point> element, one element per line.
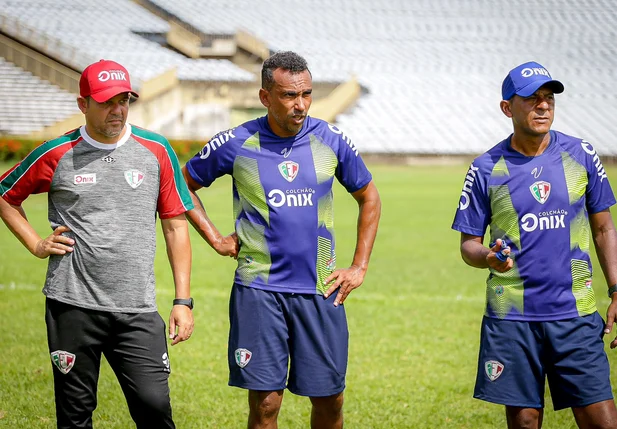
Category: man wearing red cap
<point>106,183</point>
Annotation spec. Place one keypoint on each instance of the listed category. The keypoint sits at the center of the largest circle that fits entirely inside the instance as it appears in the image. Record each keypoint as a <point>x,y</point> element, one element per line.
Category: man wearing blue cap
<point>544,194</point>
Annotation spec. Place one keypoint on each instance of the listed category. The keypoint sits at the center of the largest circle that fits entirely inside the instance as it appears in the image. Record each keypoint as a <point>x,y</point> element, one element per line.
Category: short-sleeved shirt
<point>109,196</point>
<point>283,199</point>
<point>539,206</point>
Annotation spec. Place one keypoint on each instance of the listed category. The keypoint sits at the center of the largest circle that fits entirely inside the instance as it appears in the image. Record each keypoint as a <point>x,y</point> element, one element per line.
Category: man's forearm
<point>475,253</point>
<point>201,222</point>
<point>15,219</point>
<point>606,248</point>
<point>176,235</point>
<point>368,221</point>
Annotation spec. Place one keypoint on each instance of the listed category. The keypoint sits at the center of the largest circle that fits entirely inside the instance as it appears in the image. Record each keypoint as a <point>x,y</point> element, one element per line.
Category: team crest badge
<point>243,357</point>
<point>134,177</point>
<point>63,360</point>
<point>289,170</point>
<point>493,369</point>
<point>540,191</point>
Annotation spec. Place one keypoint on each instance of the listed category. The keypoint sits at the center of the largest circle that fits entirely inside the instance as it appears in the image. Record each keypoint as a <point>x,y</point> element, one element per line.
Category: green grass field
<point>414,324</point>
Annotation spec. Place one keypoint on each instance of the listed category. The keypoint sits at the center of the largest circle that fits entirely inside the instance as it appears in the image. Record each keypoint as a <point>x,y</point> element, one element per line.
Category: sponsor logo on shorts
<point>243,357</point>
<point>289,170</point>
<point>134,178</point>
<point>540,191</point>
<point>165,358</point>
<point>80,179</point>
<point>493,369</point>
<point>64,361</point>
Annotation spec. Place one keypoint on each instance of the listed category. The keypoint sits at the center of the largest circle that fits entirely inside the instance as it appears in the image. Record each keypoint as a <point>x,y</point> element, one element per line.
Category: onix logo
<point>469,181</point>
<point>588,148</point>
<point>105,75</point>
<point>528,72</point>
<point>530,222</point>
<point>345,138</point>
<point>216,142</point>
<point>291,198</point>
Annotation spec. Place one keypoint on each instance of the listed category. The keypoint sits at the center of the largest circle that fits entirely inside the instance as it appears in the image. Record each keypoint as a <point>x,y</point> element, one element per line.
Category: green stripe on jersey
<point>505,219</point>
<point>500,169</point>
<point>505,291</point>
<point>576,177</point>
<point>254,259</point>
<point>324,160</point>
<point>325,263</point>
<point>581,287</point>
<point>250,190</point>
<point>580,233</point>
<point>183,191</point>
<point>9,181</point>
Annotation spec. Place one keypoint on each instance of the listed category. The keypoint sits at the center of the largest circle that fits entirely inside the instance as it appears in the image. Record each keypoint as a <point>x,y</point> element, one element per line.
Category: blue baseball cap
<point>526,79</point>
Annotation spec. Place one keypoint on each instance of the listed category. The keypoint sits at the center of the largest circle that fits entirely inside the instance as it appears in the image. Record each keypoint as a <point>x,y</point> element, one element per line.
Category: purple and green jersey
<point>540,207</point>
<point>283,201</point>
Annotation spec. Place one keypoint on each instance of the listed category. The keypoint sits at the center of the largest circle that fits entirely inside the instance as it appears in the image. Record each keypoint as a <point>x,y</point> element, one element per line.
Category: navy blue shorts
<point>516,357</point>
<point>271,332</point>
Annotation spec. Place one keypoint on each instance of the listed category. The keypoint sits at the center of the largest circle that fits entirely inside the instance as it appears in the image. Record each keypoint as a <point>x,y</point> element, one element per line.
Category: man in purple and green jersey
<point>284,303</point>
<point>544,195</point>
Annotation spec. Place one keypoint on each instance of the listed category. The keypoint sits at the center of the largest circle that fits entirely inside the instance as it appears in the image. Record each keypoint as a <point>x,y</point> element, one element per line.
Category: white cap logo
<point>528,72</point>
<point>105,75</point>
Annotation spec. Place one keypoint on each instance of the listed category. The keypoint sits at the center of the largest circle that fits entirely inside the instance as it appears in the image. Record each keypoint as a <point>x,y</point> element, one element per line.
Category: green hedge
<point>15,149</point>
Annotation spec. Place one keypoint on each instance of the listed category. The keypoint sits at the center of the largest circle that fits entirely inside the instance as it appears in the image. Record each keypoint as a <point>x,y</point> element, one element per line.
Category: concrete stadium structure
<point>428,72</point>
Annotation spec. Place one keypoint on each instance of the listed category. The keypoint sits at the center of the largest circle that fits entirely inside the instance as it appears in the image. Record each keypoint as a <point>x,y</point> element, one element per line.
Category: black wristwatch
<point>187,302</point>
<point>612,290</point>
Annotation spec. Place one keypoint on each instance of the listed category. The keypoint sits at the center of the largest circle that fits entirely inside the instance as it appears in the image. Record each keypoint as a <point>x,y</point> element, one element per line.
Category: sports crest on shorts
<point>243,357</point>
<point>493,369</point>
<point>64,361</point>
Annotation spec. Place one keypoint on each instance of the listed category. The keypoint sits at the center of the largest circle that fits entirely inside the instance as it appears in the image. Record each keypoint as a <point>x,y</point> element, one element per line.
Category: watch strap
<point>181,301</point>
<point>612,290</point>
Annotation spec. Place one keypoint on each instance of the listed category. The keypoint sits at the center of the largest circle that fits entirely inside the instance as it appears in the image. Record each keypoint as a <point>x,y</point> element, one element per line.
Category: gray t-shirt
<point>109,196</point>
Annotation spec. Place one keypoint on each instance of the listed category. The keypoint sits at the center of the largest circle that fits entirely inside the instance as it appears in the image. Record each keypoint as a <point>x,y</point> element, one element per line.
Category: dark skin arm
<point>224,246</point>
<point>348,279</point>
<point>475,254</point>
<point>605,241</point>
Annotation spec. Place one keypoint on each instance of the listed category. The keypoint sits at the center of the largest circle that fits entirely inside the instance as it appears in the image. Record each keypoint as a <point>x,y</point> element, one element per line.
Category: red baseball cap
<point>104,80</point>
